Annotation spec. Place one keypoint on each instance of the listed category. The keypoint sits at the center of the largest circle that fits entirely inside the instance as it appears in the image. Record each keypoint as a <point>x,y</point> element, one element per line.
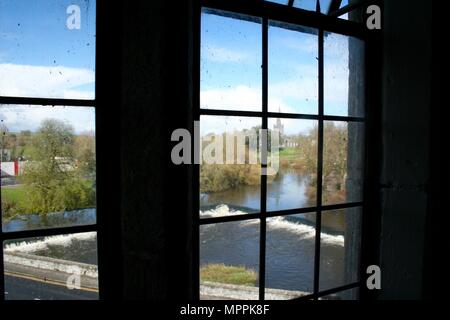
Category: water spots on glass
<point>230,72</point>
<point>343,67</point>
<point>41,57</point>
<point>293,74</point>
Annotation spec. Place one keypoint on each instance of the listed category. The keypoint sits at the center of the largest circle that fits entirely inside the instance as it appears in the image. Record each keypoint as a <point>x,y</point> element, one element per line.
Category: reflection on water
<point>290,243</point>
<point>290,249</point>
<point>286,191</point>
<point>51,220</point>
<point>81,247</point>
<point>290,240</point>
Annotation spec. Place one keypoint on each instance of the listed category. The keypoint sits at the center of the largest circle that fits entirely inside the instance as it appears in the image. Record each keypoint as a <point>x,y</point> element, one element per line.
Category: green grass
<point>13,201</point>
<point>228,274</point>
<point>14,194</point>
<point>290,152</point>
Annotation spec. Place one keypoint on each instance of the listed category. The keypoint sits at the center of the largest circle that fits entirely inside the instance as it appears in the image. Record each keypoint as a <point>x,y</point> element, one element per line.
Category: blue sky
<point>41,57</point>
<point>231,73</point>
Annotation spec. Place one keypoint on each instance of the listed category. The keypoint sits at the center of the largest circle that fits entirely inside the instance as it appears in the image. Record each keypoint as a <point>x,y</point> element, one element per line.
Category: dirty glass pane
<point>292,69</point>
<point>293,149</point>
<point>343,76</point>
<point>62,267</point>
<point>231,57</point>
<point>229,261</point>
<point>230,172</point>
<point>48,166</point>
<point>47,48</point>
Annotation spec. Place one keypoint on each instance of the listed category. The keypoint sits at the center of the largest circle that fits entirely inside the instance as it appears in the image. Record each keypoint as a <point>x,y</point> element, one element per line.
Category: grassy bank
<point>13,201</point>
<point>16,200</point>
<point>15,194</point>
<point>221,273</point>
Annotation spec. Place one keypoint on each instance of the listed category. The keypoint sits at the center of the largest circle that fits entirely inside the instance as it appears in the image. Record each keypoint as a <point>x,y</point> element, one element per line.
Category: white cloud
<point>237,98</point>
<point>241,98</point>
<point>220,54</point>
<point>44,81</point>
<point>298,89</point>
<point>302,89</point>
<point>21,117</point>
<point>221,124</point>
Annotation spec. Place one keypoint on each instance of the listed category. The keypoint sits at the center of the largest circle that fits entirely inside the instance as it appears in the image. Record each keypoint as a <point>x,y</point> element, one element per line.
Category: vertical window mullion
<point>196,167</point>
<point>2,271</point>
<point>262,236</point>
<point>319,163</point>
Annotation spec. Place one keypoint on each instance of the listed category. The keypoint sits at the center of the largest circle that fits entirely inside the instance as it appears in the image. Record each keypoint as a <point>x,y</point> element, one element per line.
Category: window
<point>48,150</point>
<point>283,220</point>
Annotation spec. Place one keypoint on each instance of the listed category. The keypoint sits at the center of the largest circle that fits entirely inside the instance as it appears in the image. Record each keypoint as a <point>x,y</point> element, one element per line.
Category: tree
<point>53,182</point>
<point>335,154</point>
<point>84,148</point>
<point>24,138</point>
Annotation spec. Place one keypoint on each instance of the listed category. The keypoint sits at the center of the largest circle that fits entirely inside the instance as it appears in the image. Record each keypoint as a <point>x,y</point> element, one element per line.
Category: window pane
<point>294,183</point>
<point>44,51</point>
<point>290,256</point>
<point>339,248</point>
<point>342,162</point>
<point>62,267</point>
<point>293,72</point>
<point>231,53</point>
<point>48,166</point>
<point>229,260</point>
<point>343,76</point>
<point>230,183</point>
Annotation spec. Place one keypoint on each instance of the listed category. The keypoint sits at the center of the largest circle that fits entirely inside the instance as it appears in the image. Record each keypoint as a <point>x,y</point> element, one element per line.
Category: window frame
<point>323,23</point>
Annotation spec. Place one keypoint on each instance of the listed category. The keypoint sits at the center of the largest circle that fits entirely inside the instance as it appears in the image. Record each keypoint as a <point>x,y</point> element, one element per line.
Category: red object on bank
<point>16,167</point>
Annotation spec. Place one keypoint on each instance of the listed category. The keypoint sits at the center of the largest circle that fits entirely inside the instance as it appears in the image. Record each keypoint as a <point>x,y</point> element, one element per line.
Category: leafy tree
<point>335,155</point>
<point>84,148</point>
<point>24,138</point>
<point>52,179</point>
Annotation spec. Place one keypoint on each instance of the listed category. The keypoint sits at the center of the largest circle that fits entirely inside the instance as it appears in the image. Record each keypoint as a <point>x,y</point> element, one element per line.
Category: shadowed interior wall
<point>406,111</point>
<point>155,215</point>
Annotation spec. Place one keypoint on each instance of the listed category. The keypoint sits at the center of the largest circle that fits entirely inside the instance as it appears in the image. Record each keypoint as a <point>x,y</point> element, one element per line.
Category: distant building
<point>285,142</point>
<point>290,143</point>
<point>279,126</point>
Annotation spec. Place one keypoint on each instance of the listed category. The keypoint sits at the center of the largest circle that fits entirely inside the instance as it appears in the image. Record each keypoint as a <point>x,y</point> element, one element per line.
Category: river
<point>289,247</point>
